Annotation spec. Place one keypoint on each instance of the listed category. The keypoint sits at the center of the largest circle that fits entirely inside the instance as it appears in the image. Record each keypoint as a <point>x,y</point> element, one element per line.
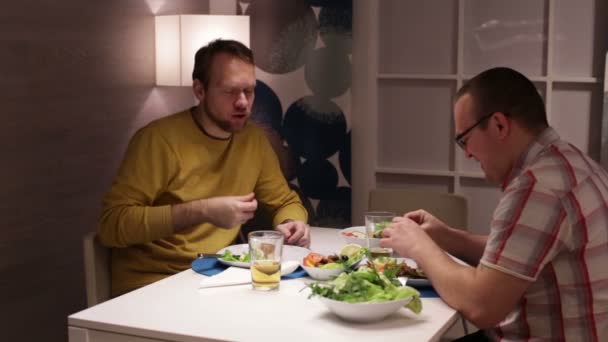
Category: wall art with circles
<point>302,50</point>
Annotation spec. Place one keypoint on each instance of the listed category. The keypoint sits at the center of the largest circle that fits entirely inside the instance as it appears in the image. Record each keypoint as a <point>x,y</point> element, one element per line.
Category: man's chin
<point>487,176</point>
<point>237,125</point>
<point>492,179</point>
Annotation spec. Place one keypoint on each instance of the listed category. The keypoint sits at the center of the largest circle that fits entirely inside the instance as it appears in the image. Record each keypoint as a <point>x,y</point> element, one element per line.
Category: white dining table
<point>175,309</point>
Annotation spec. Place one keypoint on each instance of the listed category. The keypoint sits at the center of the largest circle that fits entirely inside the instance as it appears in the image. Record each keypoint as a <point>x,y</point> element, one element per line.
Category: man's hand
<point>405,236</point>
<point>295,232</point>
<point>426,221</point>
<point>458,242</point>
<point>229,211</point>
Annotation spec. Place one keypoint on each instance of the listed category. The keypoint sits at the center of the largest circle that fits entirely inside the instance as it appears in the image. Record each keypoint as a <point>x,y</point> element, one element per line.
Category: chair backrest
<point>450,208</point>
<point>96,270</point>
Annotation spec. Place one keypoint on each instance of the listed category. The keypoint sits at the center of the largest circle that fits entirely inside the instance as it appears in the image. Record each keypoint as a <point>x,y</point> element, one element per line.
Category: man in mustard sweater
<point>190,180</point>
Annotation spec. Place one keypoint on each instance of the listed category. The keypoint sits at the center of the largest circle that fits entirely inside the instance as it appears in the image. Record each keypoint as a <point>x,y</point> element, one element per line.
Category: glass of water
<point>375,222</point>
<point>265,248</point>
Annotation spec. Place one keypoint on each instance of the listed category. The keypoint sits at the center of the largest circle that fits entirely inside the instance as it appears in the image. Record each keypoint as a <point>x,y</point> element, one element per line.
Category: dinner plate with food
<point>238,255</point>
<point>403,269</point>
<point>356,235</point>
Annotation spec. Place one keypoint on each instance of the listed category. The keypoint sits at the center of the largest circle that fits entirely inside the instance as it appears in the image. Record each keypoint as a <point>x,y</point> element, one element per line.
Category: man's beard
<point>225,125</point>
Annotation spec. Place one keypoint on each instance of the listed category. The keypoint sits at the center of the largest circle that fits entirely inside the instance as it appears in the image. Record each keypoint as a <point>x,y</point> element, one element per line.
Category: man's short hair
<point>508,91</point>
<point>203,58</point>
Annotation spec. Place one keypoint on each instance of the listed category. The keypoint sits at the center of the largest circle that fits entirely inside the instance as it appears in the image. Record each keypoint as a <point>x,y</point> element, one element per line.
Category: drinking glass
<point>373,222</point>
<point>265,249</point>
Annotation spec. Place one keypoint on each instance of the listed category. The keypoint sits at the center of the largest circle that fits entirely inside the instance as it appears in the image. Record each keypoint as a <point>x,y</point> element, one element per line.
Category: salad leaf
<point>379,228</point>
<point>366,285</point>
<point>331,265</point>
<point>354,259</point>
<point>228,256</point>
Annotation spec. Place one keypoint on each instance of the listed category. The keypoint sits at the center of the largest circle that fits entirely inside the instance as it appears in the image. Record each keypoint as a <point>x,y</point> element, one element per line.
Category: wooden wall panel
<point>76,80</point>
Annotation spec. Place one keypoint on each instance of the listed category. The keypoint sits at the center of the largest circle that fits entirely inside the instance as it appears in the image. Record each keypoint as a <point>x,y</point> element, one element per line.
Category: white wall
<point>76,80</point>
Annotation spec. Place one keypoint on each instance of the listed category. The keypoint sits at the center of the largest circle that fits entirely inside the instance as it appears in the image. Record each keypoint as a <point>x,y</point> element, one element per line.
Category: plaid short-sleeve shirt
<point>551,228</point>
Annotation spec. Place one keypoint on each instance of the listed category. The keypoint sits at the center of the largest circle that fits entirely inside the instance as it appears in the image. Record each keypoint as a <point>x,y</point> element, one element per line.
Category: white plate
<point>358,241</point>
<point>363,312</point>
<point>291,253</point>
<point>414,282</point>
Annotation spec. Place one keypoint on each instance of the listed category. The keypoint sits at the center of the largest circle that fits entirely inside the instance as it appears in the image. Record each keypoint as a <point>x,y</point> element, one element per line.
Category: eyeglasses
<point>459,139</point>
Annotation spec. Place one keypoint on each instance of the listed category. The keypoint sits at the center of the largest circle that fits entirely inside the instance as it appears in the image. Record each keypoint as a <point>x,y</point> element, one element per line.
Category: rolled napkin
<point>231,276</point>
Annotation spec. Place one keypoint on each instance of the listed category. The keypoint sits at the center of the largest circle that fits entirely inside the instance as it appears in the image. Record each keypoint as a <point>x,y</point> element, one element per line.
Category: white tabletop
<point>175,309</point>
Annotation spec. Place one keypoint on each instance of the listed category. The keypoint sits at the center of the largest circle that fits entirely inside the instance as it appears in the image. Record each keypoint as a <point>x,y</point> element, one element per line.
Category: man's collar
<point>544,139</point>
<point>198,121</point>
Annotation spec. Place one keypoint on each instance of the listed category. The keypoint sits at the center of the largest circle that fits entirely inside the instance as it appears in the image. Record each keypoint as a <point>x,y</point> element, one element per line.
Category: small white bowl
<point>322,273</point>
<point>364,312</point>
<point>358,241</point>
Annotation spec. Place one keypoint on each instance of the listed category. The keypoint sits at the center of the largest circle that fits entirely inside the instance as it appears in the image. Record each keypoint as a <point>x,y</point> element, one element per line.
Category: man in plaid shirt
<point>542,272</point>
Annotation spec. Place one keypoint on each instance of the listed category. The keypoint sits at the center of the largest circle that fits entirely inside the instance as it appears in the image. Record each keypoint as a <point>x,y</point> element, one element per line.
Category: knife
<point>205,255</point>
<point>217,256</point>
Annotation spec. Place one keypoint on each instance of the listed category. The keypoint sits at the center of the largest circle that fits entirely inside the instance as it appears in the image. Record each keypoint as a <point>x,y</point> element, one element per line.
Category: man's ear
<point>198,89</point>
<point>502,123</point>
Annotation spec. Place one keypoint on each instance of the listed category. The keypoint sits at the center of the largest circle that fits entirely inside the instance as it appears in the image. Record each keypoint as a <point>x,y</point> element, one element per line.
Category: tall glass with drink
<point>265,248</point>
<point>375,222</point>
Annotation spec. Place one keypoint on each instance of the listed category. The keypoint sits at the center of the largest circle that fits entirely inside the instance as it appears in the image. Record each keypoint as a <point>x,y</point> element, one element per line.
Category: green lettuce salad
<point>228,256</point>
<point>366,285</point>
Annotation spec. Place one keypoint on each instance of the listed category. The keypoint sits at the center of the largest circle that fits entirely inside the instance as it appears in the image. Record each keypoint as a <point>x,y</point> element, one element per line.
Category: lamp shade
<point>178,37</point>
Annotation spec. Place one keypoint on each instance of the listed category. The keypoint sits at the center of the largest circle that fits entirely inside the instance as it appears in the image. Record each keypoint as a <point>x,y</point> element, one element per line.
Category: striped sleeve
<point>526,229</point>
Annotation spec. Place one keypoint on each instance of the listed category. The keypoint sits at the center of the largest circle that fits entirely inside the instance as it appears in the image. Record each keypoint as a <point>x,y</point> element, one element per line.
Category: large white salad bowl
<point>364,312</point>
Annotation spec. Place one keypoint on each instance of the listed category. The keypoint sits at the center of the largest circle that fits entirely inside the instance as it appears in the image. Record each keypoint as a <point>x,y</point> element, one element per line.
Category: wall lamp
<point>178,37</point>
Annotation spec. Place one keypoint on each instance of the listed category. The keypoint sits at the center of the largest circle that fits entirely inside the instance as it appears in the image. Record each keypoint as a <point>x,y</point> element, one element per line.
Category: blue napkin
<point>212,266</point>
<point>426,291</point>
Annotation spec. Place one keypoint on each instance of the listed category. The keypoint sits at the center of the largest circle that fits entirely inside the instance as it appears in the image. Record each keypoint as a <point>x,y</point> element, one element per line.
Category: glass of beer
<point>265,249</point>
<point>375,222</point>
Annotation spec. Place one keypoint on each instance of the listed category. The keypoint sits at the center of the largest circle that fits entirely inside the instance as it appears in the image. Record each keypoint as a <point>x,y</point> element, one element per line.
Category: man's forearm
<point>461,244</point>
<point>457,285</point>
<point>187,214</point>
<point>126,225</point>
<point>482,294</point>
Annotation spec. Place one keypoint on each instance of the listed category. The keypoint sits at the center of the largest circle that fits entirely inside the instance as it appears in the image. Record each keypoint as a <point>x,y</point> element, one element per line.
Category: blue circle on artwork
<point>331,3</point>
<point>328,61</point>
<point>344,158</point>
<point>314,127</point>
<point>335,211</point>
<point>283,33</point>
<point>266,109</point>
<point>336,27</point>
<point>317,178</point>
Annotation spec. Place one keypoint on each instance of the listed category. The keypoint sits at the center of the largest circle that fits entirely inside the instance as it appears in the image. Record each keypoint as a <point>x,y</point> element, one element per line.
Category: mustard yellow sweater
<point>172,161</point>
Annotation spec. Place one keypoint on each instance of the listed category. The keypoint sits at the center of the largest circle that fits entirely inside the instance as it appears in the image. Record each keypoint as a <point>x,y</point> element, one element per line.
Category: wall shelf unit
<point>410,57</point>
